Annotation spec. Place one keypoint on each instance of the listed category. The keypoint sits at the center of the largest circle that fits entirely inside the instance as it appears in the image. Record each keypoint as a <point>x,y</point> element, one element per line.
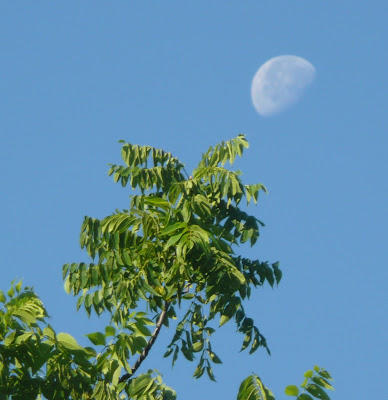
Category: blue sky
<point>78,76</point>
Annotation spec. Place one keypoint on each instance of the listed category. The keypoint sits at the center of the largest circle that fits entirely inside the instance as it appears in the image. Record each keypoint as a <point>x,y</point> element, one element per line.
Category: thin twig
<point>150,343</point>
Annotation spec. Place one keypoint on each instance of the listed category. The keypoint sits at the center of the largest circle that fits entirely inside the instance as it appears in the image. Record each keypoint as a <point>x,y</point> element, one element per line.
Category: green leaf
<point>239,275</point>
<point>139,384</point>
<point>116,376</point>
<point>67,285</point>
<point>142,329</point>
<point>322,382</point>
<point>325,374</point>
<point>102,360</point>
<point>95,275</point>
<point>305,396</point>
<point>139,342</point>
<point>173,240</point>
<point>97,338</point>
<point>210,374</point>
<point>68,341</point>
<point>11,291</point>
<point>215,358</point>
<point>157,201</point>
<point>175,356</point>
<point>168,352</point>
<point>187,353</point>
<point>309,374</point>
<point>172,228</point>
<point>246,341</point>
<point>18,286</point>
<point>224,319</point>
<point>25,316</point>
<point>110,331</point>
<point>304,383</point>
<point>91,351</point>
<point>198,346</point>
<point>10,338</point>
<point>277,272</point>
<point>252,388</point>
<point>317,391</point>
<point>24,337</point>
<point>88,300</point>
<point>198,372</point>
<point>292,390</point>
<point>49,332</point>
<point>150,289</point>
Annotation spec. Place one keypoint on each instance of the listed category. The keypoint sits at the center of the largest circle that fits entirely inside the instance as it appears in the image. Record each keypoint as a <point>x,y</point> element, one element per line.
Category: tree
<point>171,255</point>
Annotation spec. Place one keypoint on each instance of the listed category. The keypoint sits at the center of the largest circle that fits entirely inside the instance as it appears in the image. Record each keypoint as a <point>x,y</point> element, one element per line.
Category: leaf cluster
<point>175,245</point>
<point>316,382</point>
<point>37,362</point>
<point>314,386</point>
<point>34,360</point>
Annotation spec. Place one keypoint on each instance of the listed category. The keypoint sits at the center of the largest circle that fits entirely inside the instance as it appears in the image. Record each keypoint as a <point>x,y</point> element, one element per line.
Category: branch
<point>150,343</point>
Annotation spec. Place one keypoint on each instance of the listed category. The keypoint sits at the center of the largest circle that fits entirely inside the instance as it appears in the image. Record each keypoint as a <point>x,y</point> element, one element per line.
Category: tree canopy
<point>174,254</point>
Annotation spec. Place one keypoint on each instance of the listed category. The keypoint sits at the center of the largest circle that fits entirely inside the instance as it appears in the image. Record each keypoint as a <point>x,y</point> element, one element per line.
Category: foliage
<point>33,359</point>
<point>315,383</point>
<point>174,248</point>
<point>252,388</point>
<point>36,362</point>
<point>173,254</point>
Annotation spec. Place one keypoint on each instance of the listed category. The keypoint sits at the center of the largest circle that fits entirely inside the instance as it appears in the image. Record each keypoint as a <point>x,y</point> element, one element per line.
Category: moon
<point>279,83</point>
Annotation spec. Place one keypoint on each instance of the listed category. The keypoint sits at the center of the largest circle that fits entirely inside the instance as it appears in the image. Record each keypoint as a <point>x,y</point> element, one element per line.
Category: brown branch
<point>150,343</point>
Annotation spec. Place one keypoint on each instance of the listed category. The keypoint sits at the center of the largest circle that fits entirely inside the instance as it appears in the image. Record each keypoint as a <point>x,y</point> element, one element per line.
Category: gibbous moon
<point>279,83</point>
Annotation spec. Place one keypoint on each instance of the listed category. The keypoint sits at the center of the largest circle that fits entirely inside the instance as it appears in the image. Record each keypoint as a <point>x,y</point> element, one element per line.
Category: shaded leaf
<point>305,396</point>
<point>97,338</point>
<point>322,382</point>
<point>317,391</point>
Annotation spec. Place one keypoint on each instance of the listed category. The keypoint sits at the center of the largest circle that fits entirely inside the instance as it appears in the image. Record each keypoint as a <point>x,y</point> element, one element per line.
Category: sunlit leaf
<point>292,390</point>
<point>224,319</point>
<point>68,341</point>
<point>110,331</point>
<point>309,374</point>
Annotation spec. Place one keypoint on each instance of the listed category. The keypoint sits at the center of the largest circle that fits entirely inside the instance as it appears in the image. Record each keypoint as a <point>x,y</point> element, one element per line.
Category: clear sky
<point>76,77</point>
